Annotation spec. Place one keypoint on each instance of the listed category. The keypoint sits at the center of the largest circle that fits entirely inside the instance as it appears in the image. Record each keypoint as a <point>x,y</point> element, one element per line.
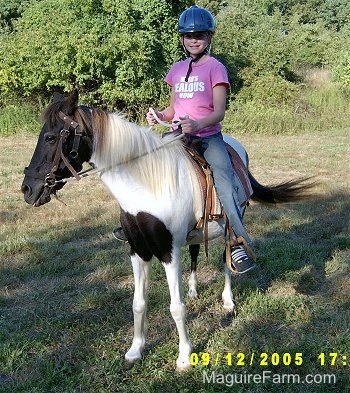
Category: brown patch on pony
<point>147,236</point>
<point>99,125</point>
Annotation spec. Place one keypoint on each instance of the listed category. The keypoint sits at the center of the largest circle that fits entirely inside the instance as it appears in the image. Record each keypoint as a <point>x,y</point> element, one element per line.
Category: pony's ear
<point>71,102</point>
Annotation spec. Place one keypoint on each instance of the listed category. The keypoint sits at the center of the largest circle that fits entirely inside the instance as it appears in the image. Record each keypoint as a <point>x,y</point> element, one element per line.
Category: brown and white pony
<point>153,180</point>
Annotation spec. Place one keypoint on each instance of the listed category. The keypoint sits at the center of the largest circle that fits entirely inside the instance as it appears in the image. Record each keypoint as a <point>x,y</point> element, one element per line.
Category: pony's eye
<point>50,138</point>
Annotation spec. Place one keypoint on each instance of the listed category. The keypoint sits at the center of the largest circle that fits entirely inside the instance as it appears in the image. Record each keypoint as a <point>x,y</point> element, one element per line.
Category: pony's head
<point>64,144</point>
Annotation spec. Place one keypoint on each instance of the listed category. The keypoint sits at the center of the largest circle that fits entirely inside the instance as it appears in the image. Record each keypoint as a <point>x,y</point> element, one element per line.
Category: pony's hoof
<point>129,365</point>
<point>183,368</point>
<point>229,307</point>
<point>130,361</point>
<point>230,310</point>
<point>192,293</point>
<point>133,356</point>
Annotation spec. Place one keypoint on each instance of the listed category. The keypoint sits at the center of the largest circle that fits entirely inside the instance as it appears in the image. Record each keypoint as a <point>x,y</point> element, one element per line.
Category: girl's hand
<point>188,125</point>
<point>151,120</point>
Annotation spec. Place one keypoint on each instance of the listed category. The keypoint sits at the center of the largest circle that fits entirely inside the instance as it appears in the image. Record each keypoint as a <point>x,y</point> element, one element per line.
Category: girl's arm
<point>219,104</point>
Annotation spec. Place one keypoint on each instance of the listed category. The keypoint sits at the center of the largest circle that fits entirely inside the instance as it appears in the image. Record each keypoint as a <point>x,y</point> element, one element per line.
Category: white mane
<point>149,159</point>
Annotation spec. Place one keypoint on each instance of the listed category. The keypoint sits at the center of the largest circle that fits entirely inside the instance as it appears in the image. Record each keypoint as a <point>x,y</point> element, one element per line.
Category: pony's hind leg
<point>227,296</point>
<point>192,281</point>
<point>178,310</point>
<point>141,271</point>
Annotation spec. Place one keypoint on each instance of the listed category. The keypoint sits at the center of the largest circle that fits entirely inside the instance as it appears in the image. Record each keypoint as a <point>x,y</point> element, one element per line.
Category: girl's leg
<point>215,152</point>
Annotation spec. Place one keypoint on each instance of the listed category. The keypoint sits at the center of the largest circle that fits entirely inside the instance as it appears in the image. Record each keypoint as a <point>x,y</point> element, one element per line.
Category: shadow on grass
<point>304,303</point>
<point>70,293</point>
<point>74,295</point>
<point>324,230</point>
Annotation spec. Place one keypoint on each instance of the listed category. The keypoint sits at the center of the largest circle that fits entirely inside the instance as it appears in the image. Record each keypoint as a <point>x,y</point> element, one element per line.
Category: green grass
<point>66,285</point>
<point>315,109</point>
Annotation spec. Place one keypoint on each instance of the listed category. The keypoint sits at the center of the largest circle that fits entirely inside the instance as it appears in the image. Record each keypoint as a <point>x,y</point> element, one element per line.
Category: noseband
<point>69,125</point>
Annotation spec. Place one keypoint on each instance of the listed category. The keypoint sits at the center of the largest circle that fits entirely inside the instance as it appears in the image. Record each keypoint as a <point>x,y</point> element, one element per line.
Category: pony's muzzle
<point>26,190</point>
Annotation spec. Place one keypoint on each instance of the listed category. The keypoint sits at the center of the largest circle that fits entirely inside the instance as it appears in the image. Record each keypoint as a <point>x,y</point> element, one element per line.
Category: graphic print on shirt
<point>187,89</point>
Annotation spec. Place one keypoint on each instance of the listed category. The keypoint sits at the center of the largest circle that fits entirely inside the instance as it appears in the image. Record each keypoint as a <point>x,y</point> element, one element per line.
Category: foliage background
<point>118,52</point>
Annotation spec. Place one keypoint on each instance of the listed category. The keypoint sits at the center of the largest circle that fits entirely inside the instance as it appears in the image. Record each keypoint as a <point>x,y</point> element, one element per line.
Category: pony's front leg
<point>178,310</point>
<point>227,296</point>
<point>141,271</point>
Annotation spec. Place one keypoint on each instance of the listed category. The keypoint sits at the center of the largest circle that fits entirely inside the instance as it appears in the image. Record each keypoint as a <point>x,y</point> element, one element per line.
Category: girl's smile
<point>196,43</point>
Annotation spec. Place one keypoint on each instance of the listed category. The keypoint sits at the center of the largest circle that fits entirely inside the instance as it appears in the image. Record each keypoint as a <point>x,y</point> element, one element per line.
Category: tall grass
<point>20,118</point>
<point>319,104</point>
<point>317,107</point>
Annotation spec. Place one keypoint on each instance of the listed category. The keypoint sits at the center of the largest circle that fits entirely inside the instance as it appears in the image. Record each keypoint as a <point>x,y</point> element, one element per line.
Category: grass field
<point>66,286</point>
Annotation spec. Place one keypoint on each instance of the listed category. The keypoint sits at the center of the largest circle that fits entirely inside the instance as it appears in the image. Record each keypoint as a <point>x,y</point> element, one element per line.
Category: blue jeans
<point>214,151</point>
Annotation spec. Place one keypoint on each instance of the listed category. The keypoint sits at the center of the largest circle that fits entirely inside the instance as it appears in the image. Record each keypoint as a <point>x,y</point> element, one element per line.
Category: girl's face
<point>196,43</point>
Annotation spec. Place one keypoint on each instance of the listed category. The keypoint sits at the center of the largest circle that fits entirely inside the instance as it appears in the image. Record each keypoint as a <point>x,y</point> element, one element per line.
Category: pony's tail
<point>289,191</point>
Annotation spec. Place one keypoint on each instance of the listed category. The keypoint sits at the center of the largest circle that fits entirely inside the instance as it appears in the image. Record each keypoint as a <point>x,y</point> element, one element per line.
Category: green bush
<point>117,53</point>
<point>335,13</point>
<point>19,117</point>
<point>259,56</point>
<point>269,90</point>
<point>10,10</point>
<point>340,63</point>
<point>112,51</point>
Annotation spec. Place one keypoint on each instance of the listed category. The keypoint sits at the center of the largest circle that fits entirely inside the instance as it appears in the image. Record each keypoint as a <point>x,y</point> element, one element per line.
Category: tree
<point>117,52</point>
<point>111,50</point>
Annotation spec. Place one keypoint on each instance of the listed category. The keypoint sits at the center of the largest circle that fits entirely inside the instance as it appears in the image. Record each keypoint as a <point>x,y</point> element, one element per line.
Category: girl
<point>198,103</point>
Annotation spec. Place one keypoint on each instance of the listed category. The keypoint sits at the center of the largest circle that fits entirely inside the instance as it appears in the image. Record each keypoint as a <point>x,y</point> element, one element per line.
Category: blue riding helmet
<point>196,19</point>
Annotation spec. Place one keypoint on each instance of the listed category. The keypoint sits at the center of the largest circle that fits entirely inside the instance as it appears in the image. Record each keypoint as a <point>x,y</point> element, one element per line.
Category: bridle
<point>69,126</point>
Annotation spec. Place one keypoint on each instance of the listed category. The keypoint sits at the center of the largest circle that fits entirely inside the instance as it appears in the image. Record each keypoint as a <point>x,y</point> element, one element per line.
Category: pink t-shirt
<point>195,97</point>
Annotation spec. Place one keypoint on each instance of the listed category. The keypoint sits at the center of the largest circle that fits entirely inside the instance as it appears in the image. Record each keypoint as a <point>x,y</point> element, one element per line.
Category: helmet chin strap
<point>193,60</point>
